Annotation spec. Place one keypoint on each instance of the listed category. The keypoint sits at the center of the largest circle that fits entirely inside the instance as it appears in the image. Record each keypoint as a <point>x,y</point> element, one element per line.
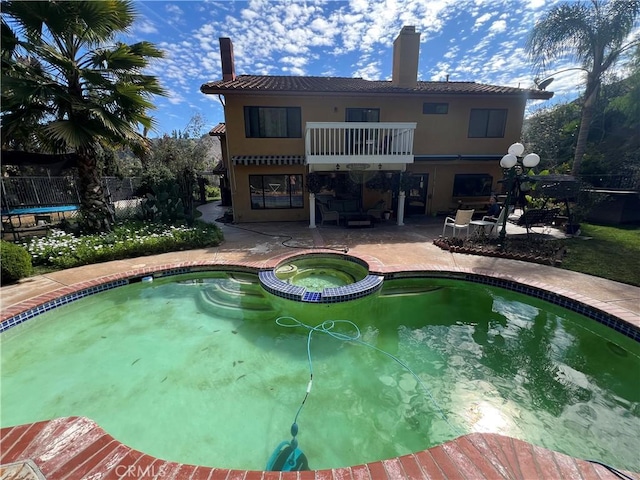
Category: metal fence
<point>56,191</point>
<point>39,191</point>
<point>50,191</point>
<point>629,181</point>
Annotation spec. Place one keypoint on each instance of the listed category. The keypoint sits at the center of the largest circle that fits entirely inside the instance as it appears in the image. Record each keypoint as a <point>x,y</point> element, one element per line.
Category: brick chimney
<point>406,50</point>
<point>226,56</point>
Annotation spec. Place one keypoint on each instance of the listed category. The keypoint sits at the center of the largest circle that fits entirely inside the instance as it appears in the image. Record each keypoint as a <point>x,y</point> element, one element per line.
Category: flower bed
<point>535,250</point>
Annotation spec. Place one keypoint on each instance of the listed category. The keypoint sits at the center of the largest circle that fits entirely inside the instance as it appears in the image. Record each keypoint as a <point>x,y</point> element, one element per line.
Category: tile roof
<point>282,84</point>
<point>219,130</point>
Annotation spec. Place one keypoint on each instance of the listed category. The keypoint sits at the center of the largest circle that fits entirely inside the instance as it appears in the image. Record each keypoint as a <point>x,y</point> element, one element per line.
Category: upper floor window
<point>487,122</point>
<point>435,108</point>
<point>272,122</point>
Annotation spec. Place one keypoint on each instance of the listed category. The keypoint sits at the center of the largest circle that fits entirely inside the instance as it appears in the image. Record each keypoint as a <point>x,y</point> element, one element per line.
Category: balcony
<point>350,143</point>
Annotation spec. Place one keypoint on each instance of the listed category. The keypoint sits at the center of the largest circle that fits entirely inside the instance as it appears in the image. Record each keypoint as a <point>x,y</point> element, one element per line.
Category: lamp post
<point>513,164</point>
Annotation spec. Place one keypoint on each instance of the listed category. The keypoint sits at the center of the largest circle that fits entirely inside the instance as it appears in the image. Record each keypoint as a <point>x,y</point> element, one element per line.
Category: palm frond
<point>8,40</point>
<point>564,31</point>
<point>73,135</point>
<point>79,90</point>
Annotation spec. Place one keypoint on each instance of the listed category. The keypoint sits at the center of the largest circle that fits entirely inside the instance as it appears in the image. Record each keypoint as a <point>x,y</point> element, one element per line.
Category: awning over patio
<point>268,160</point>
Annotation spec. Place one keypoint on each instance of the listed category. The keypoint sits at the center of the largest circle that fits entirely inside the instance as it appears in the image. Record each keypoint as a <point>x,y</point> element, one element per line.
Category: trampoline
<point>39,213</point>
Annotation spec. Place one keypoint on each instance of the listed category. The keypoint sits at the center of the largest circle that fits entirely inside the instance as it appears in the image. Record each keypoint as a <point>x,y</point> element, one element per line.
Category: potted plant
<point>314,183</point>
<point>380,182</point>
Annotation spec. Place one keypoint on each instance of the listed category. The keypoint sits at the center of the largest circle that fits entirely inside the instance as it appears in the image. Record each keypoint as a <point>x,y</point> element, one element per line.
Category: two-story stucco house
<point>293,142</point>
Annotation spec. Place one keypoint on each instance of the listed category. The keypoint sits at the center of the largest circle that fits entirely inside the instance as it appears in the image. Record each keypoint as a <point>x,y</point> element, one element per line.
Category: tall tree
<point>594,34</point>
<point>67,86</point>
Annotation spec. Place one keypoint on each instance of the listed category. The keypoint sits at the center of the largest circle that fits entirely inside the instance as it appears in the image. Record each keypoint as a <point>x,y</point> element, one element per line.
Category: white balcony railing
<point>359,142</point>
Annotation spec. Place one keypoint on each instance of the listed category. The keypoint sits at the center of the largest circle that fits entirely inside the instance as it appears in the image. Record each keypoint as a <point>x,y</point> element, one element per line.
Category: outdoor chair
<point>377,210</point>
<point>328,215</point>
<point>460,222</point>
<point>493,232</point>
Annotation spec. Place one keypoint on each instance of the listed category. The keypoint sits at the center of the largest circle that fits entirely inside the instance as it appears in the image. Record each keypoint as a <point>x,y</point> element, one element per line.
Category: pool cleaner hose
<point>287,456</point>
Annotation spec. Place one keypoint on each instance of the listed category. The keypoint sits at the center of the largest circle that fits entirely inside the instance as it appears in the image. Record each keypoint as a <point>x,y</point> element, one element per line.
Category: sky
<point>481,41</point>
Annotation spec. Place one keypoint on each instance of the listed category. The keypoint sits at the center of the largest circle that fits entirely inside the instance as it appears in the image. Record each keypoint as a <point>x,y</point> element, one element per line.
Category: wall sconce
<point>335,109</point>
<point>379,166</point>
<point>337,166</point>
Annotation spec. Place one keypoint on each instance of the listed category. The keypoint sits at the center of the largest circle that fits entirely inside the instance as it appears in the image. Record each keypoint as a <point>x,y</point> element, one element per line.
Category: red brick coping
<point>77,448</point>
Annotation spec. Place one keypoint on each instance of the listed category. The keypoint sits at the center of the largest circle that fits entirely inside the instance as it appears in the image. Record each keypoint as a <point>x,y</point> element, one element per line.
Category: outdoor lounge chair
<point>537,216</point>
<point>328,215</point>
<point>460,222</point>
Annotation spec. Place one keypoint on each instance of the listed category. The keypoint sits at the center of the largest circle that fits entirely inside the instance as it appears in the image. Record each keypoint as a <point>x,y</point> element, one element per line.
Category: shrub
<point>16,262</point>
<point>130,239</point>
<point>213,192</point>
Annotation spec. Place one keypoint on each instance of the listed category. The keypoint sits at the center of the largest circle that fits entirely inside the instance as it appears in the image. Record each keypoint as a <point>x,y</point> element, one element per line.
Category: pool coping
<point>476,455</point>
<point>77,448</point>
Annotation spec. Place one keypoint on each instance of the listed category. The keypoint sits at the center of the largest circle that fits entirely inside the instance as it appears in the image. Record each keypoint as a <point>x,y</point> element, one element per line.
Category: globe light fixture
<point>513,164</point>
<point>516,149</point>
<point>531,160</point>
<point>509,161</point>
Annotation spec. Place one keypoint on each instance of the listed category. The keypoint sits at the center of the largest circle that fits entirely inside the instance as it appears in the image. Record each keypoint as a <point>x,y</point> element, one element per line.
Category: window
<point>276,191</point>
<point>487,122</point>
<point>362,114</point>
<point>472,185</point>
<point>272,122</point>
<point>435,108</point>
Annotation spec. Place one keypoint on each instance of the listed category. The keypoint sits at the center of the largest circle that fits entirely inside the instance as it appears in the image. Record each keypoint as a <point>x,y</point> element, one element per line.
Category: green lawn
<point>608,252</point>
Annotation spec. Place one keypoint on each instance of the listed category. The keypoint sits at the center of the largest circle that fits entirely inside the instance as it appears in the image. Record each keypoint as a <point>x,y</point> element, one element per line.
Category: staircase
<point>240,296</point>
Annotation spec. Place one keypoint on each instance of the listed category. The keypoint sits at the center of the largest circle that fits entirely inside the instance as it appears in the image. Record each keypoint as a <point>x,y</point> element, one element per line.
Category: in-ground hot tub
<point>321,278</point>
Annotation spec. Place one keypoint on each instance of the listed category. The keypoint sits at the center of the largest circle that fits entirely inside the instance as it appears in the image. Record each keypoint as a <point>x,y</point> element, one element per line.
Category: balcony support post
<point>312,210</point>
<point>400,219</point>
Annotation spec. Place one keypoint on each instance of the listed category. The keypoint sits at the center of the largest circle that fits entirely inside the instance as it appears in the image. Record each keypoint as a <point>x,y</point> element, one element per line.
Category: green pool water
<point>195,370</point>
<point>317,272</point>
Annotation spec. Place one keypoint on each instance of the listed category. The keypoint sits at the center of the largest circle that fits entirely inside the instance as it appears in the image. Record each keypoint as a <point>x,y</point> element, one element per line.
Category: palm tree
<point>594,34</point>
<point>67,86</point>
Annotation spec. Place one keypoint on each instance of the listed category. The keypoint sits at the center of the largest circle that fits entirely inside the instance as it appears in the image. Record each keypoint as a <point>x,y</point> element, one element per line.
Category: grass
<point>607,252</point>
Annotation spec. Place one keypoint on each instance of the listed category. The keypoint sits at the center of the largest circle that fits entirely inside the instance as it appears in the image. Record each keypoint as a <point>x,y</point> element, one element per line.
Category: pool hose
<point>287,456</point>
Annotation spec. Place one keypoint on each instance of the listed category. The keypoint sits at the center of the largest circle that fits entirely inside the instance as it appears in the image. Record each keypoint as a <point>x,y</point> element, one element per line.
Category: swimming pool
<point>581,370</point>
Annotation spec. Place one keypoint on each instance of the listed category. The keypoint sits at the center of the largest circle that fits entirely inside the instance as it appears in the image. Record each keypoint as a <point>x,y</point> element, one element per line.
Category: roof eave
<point>529,94</point>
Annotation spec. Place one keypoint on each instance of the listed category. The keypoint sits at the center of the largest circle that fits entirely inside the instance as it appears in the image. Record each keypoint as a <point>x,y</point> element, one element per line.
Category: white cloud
<point>175,98</point>
<point>174,10</point>
<point>481,20</point>
<point>498,26</point>
<point>145,27</point>
<point>295,61</point>
<point>370,71</point>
